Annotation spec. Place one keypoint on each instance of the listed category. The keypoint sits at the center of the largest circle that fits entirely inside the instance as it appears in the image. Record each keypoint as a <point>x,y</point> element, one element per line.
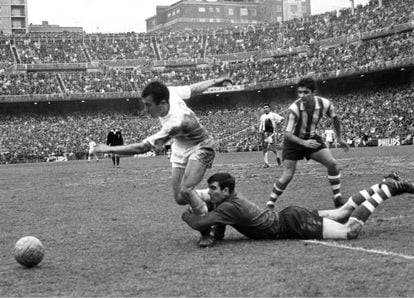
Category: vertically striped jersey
<point>302,121</point>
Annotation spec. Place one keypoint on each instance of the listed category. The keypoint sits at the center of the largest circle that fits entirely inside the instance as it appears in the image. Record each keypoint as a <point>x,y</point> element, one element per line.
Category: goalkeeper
<point>292,222</point>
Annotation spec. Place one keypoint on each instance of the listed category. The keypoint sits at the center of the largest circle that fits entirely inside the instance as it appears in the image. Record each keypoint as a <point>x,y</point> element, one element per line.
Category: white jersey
<point>92,145</point>
<point>329,135</point>
<point>180,124</point>
<point>274,119</point>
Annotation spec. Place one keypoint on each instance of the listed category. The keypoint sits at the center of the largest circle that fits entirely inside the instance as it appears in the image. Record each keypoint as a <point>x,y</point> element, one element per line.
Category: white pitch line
<point>394,217</point>
<point>381,252</point>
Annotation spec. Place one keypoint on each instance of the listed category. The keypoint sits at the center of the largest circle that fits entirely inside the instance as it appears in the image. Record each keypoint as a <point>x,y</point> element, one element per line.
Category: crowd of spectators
<point>29,83</point>
<point>354,56</point>
<point>372,114</point>
<point>377,114</point>
<point>86,82</point>
<point>119,47</point>
<point>70,48</point>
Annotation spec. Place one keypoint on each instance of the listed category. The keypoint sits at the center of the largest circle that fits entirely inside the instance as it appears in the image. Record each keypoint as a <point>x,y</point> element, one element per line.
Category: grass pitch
<point>118,232</point>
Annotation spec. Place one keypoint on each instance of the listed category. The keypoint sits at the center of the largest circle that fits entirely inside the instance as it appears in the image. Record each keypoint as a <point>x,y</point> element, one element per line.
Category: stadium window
<point>211,9</point>
<point>211,0</point>
<point>217,9</point>
<point>177,11</point>
<point>168,15</point>
<point>231,12</point>
<point>202,20</point>
<point>244,12</point>
<point>201,9</point>
<point>254,12</point>
<point>211,20</point>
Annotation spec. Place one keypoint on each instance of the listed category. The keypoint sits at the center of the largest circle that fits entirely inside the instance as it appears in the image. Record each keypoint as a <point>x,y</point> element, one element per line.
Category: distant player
<point>109,141</point>
<point>329,136</point>
<point>301,140</point>
<point>292,222</point>
<point>268,125</point>
<point>117,141</point>
<point>192,149</point>
<point>91,151</point>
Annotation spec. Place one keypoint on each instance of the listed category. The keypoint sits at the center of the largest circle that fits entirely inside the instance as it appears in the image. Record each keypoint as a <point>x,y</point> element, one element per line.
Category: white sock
<point>266,158</point>
<point>201,210</point>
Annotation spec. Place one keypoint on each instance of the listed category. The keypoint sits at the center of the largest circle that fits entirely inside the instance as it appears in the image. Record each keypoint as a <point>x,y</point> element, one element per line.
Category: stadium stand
<point>92,67</point>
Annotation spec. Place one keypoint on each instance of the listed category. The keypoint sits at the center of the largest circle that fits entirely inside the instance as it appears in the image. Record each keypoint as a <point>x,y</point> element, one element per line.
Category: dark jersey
<point>248,218</point>
<point>110,138</point>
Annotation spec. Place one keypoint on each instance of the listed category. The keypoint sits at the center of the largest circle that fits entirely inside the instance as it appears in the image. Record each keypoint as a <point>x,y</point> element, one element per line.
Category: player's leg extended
<point>193,175</point>
<point>289,168</point>
<point>387,189</point>
<point>177,176</point>
<point>334,230</point>
<point>342,213</point>
<point>324,156</point>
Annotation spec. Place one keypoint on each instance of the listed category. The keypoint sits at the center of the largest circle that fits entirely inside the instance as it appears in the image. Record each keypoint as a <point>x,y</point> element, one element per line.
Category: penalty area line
<point>381,252</point>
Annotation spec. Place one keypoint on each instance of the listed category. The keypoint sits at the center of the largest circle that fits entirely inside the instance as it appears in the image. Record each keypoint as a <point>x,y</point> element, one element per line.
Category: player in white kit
<point>192,150</point>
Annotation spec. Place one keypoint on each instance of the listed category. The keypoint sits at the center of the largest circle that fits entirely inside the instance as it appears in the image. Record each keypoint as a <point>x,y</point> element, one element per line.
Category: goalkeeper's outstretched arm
<point>132,149</point>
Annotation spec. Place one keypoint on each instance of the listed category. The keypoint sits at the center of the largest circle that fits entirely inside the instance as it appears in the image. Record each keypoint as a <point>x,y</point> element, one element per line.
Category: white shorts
<point>203,152</point>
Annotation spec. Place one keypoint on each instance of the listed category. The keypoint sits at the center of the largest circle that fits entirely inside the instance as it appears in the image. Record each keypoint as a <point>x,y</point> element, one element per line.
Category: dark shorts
<point>299,223</point>
<point>293,151</point>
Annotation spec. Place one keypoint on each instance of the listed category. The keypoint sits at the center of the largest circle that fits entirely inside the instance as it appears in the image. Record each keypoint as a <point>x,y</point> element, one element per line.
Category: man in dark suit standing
<point>117,141</point>
<point>110,141</point>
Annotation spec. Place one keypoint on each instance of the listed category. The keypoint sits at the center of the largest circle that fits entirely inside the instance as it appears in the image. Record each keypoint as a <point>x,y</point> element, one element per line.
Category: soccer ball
<point>29,251</point>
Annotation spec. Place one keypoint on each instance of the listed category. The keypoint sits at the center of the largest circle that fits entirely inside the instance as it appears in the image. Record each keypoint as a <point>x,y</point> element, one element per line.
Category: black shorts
<point>293,151</point>
<point>299,223</point>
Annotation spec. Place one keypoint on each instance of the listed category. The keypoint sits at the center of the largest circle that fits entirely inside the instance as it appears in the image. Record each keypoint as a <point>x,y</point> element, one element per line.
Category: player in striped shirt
<point>269,121</point>
<point>301,140</point>
<point>292,222</point>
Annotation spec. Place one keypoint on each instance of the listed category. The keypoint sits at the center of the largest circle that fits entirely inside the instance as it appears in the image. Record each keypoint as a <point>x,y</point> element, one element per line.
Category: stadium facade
<point>202,14</point>
<point>45,27</point>
<point>13,16</point>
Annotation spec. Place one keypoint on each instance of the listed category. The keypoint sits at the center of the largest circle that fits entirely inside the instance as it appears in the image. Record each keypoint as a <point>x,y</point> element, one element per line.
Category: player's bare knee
<point>332,166</point>
<point>183,196</point>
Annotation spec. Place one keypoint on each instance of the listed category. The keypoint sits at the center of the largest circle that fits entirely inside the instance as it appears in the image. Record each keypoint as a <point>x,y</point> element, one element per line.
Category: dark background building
<point>186,14</point>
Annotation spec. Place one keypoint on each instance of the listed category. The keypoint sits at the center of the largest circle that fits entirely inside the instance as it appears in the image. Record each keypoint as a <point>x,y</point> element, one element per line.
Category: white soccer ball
<point>29,251</point>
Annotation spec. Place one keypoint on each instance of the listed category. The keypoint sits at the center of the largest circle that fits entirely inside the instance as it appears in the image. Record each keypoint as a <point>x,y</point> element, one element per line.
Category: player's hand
<point>101,148</point>
<point>344,145</point>
<point>311,144</point>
